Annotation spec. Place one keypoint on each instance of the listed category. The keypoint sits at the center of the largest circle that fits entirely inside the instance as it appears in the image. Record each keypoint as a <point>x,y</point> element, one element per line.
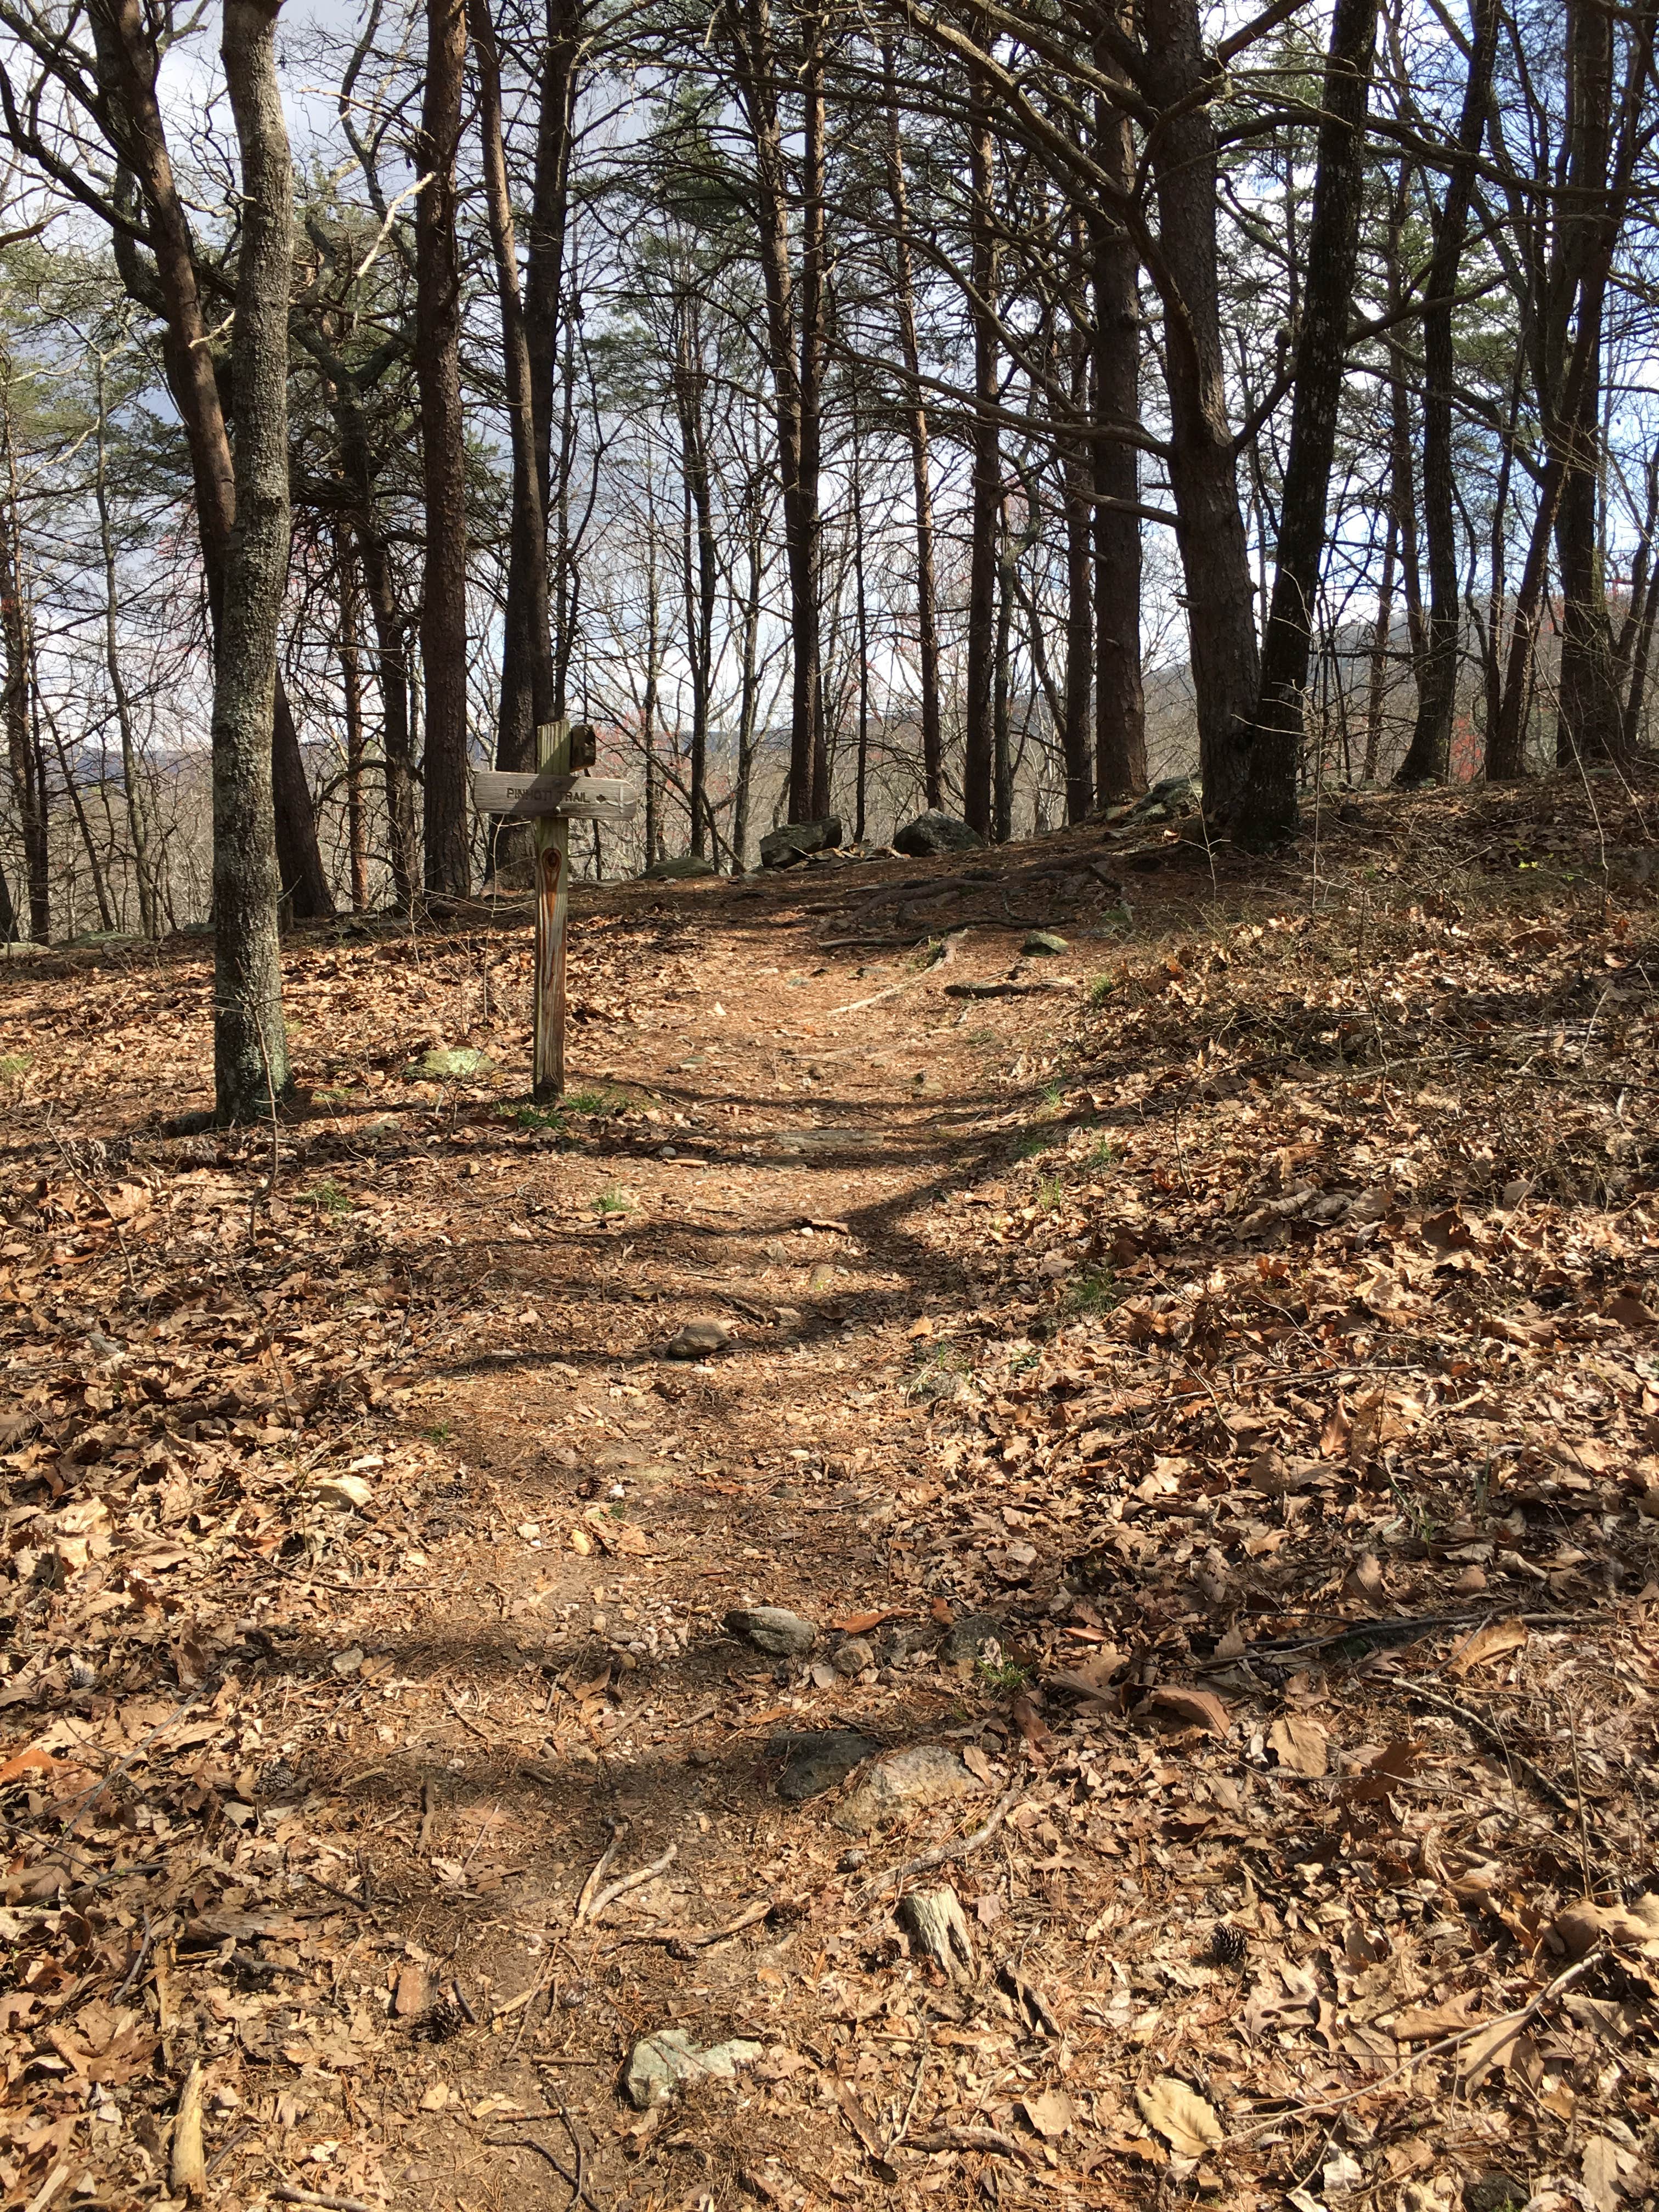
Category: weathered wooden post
<point>551,800</point>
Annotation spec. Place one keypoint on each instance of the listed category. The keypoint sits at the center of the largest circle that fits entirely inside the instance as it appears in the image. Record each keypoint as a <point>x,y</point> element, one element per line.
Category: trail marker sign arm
<point>550,800</point>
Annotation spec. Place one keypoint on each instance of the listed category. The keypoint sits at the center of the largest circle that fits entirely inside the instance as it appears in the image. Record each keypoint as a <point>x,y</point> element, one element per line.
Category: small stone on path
<point>818,1759</point>
<point>927,1774</point>
<point>770,1628</point>
<point>697,1338</point>
<point>1045,943</point>
<point>664,2062</point>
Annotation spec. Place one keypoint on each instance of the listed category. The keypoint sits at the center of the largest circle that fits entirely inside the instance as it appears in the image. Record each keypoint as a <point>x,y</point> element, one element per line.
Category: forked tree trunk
<point>28,766</point>
<point>438,371</point>
<point>128,61</point>
<point>249,1047</point>
<point>1267,811</point>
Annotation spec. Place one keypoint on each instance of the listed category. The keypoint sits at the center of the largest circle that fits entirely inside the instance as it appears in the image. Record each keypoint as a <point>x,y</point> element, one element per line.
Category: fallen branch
<point>683,1940</point>
<point>618,1829</point>
<point>947,951</point>
<point>286,2195</point>
<point>992,2139</point>
<point>630,1881</point>
<point>943,1854</point>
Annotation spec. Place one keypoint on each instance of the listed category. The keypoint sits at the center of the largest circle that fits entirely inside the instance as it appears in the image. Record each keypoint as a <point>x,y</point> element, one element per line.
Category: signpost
<point>550,800</point>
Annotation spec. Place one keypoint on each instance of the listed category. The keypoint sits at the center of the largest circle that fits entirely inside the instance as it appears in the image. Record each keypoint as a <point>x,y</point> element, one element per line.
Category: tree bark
<point>985,446</point>
<point>915,423</point>
<point>128,61</point>
<point>526,693</point>
<point>250,1065</point>
<point>1120,698</point>
<point>1077,488</point>
<point>701,561</point>
<point>137,817</point>
<point>1429,753</point>
<point>28,766</point>
<point>1203,468</point>
<point>1268,811</point>
<point>814,297</point>
<point>438,372</point>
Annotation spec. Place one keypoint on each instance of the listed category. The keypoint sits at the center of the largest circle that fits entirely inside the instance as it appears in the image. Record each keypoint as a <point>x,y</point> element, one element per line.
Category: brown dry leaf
<point>1334,1436</point>
<point>1491,1642</point>
<point>1181,2116</point>
<point>855,1624</point>
<point>1492,2050</point>
<point>1030,1723</point>
<point>1052,2114</point>
<point>1299,1744</point>
<point>1599,2171</point>
<point>1178,1706</point>
<point>976,1763</point>
<point>1364,1578</point>
<point>940,1609</point>
<point>1428,2023</point>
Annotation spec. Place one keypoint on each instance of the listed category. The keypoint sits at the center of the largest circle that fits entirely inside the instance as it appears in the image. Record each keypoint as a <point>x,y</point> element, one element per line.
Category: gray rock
<point>901,1783</point>
<point>1633,864</point>
<point>818,1759</point>
<point>1175,794</point>
<point>661,2064</point>
<point>443,1064</point>
<point>781,848</point>
<point>966,1644</point>
<point>687,867</point>
<point>770,1628</point>
<point>1044,942</point>
<point>933,833</point>
<point>697,1338</point>
<point>852,1656</point>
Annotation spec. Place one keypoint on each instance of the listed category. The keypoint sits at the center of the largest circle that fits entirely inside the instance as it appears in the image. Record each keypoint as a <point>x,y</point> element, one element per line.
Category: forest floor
<point>1201,1385</point>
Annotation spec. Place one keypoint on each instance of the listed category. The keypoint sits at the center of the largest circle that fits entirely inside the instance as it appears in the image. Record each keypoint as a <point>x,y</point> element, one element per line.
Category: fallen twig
<point>618,1829</point>
<point>943,1854</point>
<point>699,1939</point>
<point>991,2139</point>
<point>286,2194</point>
<point>629,1881</point>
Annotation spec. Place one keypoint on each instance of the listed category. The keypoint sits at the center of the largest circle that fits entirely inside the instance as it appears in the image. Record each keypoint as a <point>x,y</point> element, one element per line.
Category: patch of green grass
<point>13,1064</point>
<point>1101,989</point>
<point>335,1095</point>
<point>1006,1674</point>
<point>939,1373</point>
<point>440,1432</point>
<point>1102,1154</point>
<point>593,1102</point>
<point>1096,1292</point>
<point>534,1117</point>
<point>1033,1142</point>
<point>1048,1191</point>
<point>981,1036</point>
<point>611,1202</point>
<point>1053,1096</point>
<point>327,1197</point>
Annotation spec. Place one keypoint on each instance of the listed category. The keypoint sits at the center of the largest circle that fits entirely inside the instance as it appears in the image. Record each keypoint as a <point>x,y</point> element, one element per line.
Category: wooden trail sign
<point>550,800</point>
<point>546,796</point>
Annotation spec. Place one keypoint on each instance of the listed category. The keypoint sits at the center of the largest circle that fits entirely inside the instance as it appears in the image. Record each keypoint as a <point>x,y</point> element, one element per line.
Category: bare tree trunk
<point>932,743</point>
<point>1382,637</point>
<point>748,693</point>
<point>1268,810</point>
<point>702,574</point>
<point>809,649</point>
<point>1203,468</point>
<point>979,735</point>
<point>1429,753</point>
<point>28,766</point>
<point>129,59</point>
<point>438,371</point>
<point>1077,490</point>
<point>138,820</point>
<point>1120,698</point>
<point>351,684</point>
<point>526,695</point>
<point>250,1045</point>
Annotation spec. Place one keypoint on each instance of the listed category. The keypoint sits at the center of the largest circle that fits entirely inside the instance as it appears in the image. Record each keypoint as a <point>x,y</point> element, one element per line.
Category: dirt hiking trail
<point>1012,1558</point>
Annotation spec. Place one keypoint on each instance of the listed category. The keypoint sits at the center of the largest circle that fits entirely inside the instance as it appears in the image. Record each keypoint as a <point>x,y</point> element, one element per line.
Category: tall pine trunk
<point>1429,752</point>
<point>1202,461</point>
<point>250,1045</point>
<point>1120,696</point>
<point>443,452</point>
<point>979,734</point>
<point>915,424</point>
<point>1267,811</point>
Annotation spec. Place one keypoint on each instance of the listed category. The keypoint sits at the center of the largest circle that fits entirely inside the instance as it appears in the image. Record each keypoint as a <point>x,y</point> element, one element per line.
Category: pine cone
<point>1228,1945</point>
<point>442,2019</point>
